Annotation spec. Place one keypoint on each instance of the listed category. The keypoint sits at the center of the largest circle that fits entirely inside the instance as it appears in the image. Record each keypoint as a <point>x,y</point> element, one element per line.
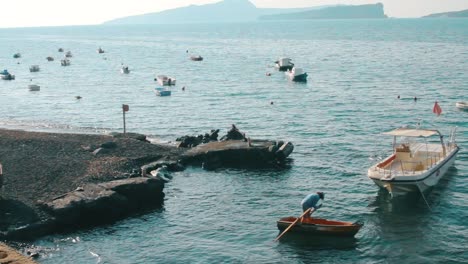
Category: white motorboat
<point>34,87</point>
<point>162,91</point>
<point>462,105</point>
<point>297,75</point>
<point>65,62</point>
<point>5,75</point>
<point>284,64</point>
<point>34,68</point>
<point>414,166</point>
<point>124,70</point>
<point>196,58</point>
<point>164,80</point>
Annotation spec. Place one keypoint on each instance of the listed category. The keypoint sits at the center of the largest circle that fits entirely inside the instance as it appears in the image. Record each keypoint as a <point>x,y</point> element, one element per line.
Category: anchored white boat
<point>284,64</point>
<point>165,80</point>
<point>5,75</point>
<point>34,87</point>
<point>462,105</point>
<point>196,58</point>
<point>124,70</point>
<point>297,75</point>
<point>162,91</point>
<point>414,166</point>
<point>34,68</point>
<point>65,62</point>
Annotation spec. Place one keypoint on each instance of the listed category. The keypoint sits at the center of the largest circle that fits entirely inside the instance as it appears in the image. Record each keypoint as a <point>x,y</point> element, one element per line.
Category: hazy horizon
<point>26,13</point>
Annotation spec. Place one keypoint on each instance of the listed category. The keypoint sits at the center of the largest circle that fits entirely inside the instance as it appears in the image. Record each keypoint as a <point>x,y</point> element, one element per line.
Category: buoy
<point>398,96</point>
<point>78,97</point>
<point>415,98</point>
<point>183,88</point>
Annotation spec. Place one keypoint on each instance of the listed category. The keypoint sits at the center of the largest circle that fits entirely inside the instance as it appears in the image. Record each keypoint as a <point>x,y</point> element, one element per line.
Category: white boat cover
<point>410,132</point>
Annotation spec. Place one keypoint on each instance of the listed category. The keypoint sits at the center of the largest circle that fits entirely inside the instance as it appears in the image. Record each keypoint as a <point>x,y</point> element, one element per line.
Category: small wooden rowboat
<point>318,226</point>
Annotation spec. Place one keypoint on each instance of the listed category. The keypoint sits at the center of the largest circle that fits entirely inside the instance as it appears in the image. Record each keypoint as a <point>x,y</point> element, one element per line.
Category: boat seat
<point>419,167</point>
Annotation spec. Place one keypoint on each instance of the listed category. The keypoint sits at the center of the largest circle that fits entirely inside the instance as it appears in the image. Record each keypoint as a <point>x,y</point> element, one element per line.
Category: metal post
<point>125,108</point>
<point>125,130</point>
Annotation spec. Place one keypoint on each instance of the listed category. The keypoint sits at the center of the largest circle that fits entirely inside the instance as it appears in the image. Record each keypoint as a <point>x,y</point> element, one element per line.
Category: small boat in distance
<point>60,50</point>
<point>17,55</point>
<point>34,87</point>
<point>196,58</point>
<point>100,50</point>
<point>414,166</point>
<point>65,62</point>
<point>284,64</point>
<point>5,75</point>
<point>462,105</point>
<point>124,70</point>
<point>50,58</point>
<point>34,68</point>
<point>164,80</point>
<point>319,227</point>
<point>160,91</point>
<point>68,54</point>
<point>297,75</point>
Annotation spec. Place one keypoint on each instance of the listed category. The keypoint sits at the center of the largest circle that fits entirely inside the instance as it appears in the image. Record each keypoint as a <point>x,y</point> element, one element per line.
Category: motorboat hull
<point>34,87</point>
<point>165,80</point>
<point>284,67</point>
<point>7,77</point>
<point>319,227</point>
<point>299,78</point>
<point>418,183</point>
<point>65,62</point>
<point>162,92</point>
<point>196,58</point>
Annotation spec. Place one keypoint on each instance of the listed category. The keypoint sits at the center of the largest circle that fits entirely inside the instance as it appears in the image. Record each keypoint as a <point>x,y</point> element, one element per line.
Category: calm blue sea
<point>356,71</point>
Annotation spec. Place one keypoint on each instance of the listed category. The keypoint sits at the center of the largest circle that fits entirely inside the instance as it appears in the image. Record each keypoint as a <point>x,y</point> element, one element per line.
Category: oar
<point>293,223</point>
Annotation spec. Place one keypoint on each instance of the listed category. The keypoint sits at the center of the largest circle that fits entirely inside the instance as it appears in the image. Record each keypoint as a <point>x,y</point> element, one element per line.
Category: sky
<point>35,13</point>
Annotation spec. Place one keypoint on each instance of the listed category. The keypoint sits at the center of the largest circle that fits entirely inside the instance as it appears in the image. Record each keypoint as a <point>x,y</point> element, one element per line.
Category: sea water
<point>357,69</point>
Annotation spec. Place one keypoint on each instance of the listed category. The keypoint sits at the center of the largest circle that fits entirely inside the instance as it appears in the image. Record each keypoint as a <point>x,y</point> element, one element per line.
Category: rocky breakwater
<point>234,149</point>
<point>55,182</point>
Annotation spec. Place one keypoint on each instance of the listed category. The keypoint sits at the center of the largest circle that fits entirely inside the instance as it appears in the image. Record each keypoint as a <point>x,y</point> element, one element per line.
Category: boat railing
<point>406,168</point>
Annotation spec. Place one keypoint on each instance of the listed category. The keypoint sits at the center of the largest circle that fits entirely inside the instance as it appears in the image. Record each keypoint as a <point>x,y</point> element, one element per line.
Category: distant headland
<point>245,11</point>
<point>461,14</point>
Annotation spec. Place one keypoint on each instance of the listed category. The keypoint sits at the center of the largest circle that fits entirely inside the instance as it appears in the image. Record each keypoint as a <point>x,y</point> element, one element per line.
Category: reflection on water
<point>307,242</point>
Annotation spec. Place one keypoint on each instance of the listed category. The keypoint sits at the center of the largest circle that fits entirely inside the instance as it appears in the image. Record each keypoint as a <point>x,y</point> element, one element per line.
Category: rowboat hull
<point>319,227</point>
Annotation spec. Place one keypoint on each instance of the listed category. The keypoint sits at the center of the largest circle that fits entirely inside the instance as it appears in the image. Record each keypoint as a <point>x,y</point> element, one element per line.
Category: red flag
<point>125,108</point>
<point>437,110</point>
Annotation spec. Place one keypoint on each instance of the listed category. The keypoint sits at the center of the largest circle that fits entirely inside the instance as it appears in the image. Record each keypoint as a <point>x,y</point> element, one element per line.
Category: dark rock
<point>99,203</point>
<point>214,135</point>
<point>136,136</point>
<point>109,145</point>
<point>236,153</point>
<point>234,134</point>
<point>189,141</point>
